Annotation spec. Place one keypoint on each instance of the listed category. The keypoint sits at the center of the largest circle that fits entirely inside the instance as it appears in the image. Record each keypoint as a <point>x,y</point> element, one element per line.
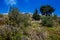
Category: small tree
<point>36,16</point>
<point>47,10</point>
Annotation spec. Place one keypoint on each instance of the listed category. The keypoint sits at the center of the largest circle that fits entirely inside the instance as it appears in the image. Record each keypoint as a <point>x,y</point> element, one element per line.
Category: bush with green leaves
<point>13,16</point>
<point>17,19</point>
<point>1,19</point>
<point>47,21</point>
<point>25,20</point>
<point>55,17</point>
<point>59,20</point>
<point>1,15</point>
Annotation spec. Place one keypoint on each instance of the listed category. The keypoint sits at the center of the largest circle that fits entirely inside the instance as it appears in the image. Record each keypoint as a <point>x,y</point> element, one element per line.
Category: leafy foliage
<point>47,21</point>
<point>25,19</point>
<point>59,20</point>
<point>55,17</point>
<point>14,17</point>
<point>46,10</point>
<point>1,15</point>
<point>1,19</point>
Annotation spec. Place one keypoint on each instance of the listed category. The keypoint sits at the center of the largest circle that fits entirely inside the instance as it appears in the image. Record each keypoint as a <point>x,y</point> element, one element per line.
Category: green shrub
<point>47,21</point>
<point>26,20</point>
<point>59,20</point>
<point>1,15</point>
<point>14,17</point>
<point>17,19</point>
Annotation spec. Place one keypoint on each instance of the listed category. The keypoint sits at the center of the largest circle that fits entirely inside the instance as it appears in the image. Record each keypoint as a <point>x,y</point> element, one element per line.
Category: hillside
<point>33,30</point>
<point>26,26</point>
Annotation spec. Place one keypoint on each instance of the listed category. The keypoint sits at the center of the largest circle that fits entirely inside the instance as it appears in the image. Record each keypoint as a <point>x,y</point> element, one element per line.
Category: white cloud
<point>10,2</point>
<point>5,13</point>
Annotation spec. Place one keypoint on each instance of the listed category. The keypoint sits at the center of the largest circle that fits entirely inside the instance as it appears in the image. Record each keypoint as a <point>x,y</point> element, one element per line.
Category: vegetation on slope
<point>18,26</point>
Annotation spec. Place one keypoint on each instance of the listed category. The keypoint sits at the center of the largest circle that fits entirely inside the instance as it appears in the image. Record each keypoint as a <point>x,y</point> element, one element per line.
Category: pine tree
<point>36,16</point>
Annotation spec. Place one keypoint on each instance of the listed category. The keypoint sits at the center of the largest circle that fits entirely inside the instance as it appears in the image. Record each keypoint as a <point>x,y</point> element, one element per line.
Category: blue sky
<point>28,5</point>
